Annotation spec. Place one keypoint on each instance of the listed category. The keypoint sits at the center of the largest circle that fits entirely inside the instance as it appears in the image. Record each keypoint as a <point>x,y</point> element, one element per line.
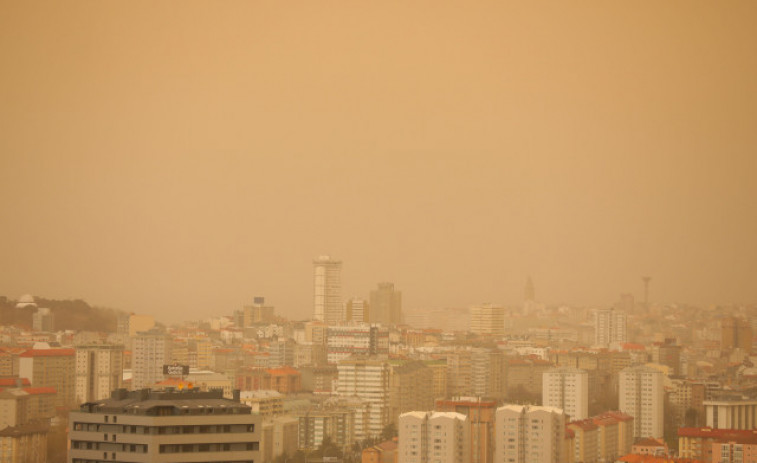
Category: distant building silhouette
<point>386,305</point>
<point>327,290</point>
<point>735,333</point>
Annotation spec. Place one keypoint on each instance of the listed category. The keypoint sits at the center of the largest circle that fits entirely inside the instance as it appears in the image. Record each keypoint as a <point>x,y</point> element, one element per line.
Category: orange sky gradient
<point>177,158</point>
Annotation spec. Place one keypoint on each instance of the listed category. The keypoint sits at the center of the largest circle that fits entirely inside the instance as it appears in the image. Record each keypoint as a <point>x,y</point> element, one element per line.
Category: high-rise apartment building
<point>642,396</point>
<point>567,388</point>
<point>529,434</point>
<point>736,333</point>
<point>610,327</point>
<point>433,437</point>
<point>487,367</point>
<point>367,379</point>
<point>357,311</point>
<point>327,290</point>
<point>99,370</point>
<point>50,368</point>
<point>481,417</point>
<point>487,319</point>
<point>411,387</point>
<point>151,350</point>
<point>386,305</point>
<point>182,426</point>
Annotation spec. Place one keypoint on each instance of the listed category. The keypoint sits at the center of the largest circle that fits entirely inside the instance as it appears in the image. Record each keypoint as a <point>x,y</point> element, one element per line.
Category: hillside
<point>69,314</point>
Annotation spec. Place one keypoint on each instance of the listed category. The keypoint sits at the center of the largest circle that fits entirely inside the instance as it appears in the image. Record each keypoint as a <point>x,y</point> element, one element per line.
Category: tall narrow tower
<point>327,290</point>
<point>646,292</point>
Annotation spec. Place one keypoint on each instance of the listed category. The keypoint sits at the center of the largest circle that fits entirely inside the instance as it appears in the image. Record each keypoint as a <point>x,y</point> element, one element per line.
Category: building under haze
<point>386,305</point>
<point>150,351</point>
<point>567,388</point>
<point>99,370</point>
<point>327,290</point>
<point>43,319</point>
<point>735,333</point>
<point>610,327</point>
<point>529,434</point>
<point>357,310</point>
<point>487,319</point>
<point>182,426</point>
<point>439,437</point>
<point>642,396</point>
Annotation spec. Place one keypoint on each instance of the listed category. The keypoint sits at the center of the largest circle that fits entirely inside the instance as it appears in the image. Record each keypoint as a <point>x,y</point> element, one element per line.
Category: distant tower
<point>646,292</point>
<point>327,290</point>
<point>386,305</point>
<point>529,293</point>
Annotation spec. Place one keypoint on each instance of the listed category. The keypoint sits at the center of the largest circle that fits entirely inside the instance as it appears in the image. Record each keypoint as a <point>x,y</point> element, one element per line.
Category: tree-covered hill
<point>69,314</point>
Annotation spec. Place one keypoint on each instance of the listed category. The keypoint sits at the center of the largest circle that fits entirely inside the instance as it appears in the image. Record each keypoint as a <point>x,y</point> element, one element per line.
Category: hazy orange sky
<point>177,158</point>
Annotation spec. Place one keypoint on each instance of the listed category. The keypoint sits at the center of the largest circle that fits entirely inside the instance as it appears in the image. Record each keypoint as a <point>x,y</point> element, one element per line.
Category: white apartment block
<point>151,350</point>
<point>529,434</point>
<point>610,327</point>
<point>434,437</point>
<point>487,319</point>
<point>367,379</point>
<point>567,388</point>
<point>731,414</point>
<point>355,339</point>
<point>99,370</point>
<point>642,396</point>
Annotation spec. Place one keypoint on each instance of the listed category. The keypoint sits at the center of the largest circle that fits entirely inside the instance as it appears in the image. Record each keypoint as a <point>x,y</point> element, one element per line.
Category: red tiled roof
<point>40,390</point>
<point>48,353</point>
<point>11,382</point>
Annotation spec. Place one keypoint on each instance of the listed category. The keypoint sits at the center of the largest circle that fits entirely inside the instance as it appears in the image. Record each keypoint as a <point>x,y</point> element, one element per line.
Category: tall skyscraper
<point>610,327</point>
<point>439,437</point>
<point>327,290</point>
<point>386,305</point>
<point>529,434</point>
<point>567,388</point>
<point>642,396</point>
<point>487,319</point>
<point>99,370</point>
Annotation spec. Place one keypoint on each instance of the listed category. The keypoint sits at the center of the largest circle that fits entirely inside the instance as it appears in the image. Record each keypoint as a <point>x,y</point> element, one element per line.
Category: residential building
<point>151,350</point>
<point>99,370</point>
<point>336,424</point>
<point>487,373</point>
<point>327,290</point>
<point>529,434</point>
<point>356,339</point>
<point>610,327</point>
<point>567,388</point>
<point>736,333</point>
<point>51,367</point>
<point>426,437</point>
<point>367,379</point>
<point>24,444</point>
<point>731,414</point>
<point>411,387</point>
<point>386,305</point>
<point>481,415</point>
<point>256,313</point>
<point>642,396</point>
<point>357,311</point>
<point>699,443</point>
<point>487,320</point>
<point>182,426</point>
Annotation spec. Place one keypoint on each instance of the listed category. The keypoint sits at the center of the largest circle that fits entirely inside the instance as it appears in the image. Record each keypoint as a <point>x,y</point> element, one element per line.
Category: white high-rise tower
<point>327,290</point>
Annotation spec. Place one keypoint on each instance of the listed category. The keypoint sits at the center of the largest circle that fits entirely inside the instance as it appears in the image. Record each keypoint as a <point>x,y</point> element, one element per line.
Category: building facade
<point>642,396</point>
<point>99,370</point>
<point>327,290</point>
<point>438,437</point>
<point>150,426</point>
<point>529,434</point>
<point>567,388</point>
